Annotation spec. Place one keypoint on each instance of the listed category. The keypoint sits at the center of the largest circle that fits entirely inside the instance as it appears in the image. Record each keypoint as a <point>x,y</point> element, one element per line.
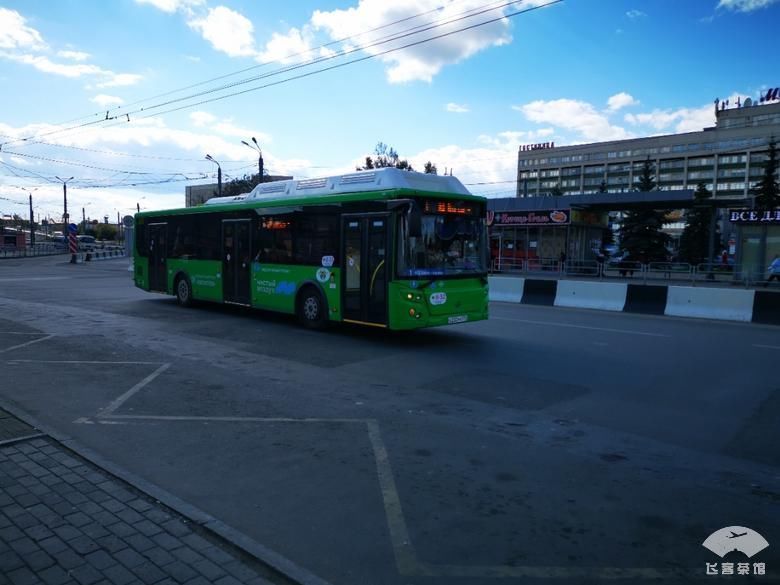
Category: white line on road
<point>83,362</point>
<point>552,324</point>
<point>25,344</point>
<point>29,278</point>
<point>239,419</point>
<point>766,346</point>
<point>127,395</point>
<point>19,333</point>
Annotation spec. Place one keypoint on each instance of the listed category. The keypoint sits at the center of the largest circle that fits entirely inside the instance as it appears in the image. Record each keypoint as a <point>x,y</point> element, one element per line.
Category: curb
<point>273,561</point>
<point>749,306</point>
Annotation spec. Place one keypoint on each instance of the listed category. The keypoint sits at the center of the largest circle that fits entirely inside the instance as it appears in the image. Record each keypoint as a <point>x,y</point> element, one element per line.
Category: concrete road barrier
<point>506,289</point>
<point>605,296</point>
<point>710,303</point>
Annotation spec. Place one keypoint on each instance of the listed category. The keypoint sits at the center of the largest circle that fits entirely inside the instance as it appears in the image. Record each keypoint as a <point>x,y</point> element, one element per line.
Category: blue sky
<point>577,71</point>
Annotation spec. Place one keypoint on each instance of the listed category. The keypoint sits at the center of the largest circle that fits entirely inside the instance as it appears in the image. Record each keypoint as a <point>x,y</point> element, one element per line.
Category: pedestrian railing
<point>37,250</point>
<point>651,273</point>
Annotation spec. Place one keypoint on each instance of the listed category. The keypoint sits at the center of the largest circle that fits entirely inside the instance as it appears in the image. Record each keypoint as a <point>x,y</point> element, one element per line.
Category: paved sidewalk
<point>63,520</point>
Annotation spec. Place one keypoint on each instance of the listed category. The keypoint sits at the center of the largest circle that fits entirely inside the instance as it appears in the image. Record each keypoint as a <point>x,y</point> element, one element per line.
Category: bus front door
<point>158,270</point>
<point>364,280</point>
<point>236,261</point>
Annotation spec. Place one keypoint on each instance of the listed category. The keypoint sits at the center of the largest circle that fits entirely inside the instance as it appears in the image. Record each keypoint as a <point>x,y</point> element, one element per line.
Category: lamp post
<point>255,146</point>
<point>219,174</point>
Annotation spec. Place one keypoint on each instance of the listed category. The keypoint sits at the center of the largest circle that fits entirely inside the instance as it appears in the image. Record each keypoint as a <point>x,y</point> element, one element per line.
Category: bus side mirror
<point>414,220</point>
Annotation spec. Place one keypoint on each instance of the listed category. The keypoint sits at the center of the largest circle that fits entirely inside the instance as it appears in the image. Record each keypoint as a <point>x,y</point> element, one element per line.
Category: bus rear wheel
<point>311,309</point>
<point>184,291</point>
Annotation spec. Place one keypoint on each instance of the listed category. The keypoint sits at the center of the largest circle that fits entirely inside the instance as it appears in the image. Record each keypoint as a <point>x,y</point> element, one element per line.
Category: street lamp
<point>255,146</point>
<point>219,174</point>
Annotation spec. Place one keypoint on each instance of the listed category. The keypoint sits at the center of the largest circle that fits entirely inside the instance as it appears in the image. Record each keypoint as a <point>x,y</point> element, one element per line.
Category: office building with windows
<point>727,158</point>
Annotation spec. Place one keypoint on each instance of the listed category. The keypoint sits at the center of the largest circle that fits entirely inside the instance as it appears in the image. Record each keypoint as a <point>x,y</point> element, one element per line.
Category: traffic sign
<point>128,221</point>
<point>73,228</point>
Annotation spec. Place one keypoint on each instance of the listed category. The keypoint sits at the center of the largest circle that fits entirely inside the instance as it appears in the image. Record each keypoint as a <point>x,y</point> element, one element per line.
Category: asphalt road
<point>543,445</point>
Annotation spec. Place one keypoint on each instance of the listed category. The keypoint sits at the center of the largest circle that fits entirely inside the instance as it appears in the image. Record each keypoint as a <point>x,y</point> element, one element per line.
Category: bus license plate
<point>458,319</point>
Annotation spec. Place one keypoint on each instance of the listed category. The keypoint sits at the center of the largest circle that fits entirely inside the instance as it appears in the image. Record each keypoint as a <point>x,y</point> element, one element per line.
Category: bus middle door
<point>158,268</point>
<point>236,261</point>
<point>365,268</point>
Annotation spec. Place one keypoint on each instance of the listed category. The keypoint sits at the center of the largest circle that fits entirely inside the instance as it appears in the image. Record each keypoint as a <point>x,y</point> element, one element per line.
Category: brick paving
<point>65,521</point>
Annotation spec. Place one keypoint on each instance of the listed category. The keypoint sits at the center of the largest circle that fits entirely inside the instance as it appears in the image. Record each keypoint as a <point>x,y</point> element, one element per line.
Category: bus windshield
<point>448,245</point>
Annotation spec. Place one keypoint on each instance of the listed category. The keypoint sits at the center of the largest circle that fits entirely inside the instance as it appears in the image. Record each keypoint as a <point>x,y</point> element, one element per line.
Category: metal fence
<point>37,250</point>
<point>652,272</point>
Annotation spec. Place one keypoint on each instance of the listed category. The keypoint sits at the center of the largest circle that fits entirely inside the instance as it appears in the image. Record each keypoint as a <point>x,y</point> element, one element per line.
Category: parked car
<point>87,243</point>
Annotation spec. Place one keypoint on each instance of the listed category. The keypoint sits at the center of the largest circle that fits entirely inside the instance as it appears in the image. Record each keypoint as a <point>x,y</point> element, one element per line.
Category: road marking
<point>407,563</point>
<point>571,326</point>
<point>33,278</point>
<point>82,362</point>
<point>405,558</point>
<point>127,395</point>
<point>18,333</point>
<point>766,346</point>
<point>26,344</point>
<point>227,418</point>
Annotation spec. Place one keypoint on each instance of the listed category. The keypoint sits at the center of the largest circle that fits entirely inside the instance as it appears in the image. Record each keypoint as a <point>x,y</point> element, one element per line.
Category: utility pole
<point>32,225</point>
<point>84,220</point>
<point>64,204</point>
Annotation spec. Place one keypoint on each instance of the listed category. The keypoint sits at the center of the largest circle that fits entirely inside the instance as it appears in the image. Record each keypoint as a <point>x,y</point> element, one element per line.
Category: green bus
<point>385,248</point>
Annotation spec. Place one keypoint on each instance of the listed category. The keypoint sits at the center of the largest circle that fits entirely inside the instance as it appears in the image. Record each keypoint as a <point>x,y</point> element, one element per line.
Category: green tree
<point>430,169</point>
<point>240,185</point>
<point>695,239</point>
<point>556,191</point>
<point>105,231</point>
<point>385,157</point>
<point>767,190</point>
<point>641,233</point>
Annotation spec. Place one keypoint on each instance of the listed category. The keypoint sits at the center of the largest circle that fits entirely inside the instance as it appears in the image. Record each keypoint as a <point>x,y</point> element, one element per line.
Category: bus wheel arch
<point>311,306</point>
<point>182,288</point>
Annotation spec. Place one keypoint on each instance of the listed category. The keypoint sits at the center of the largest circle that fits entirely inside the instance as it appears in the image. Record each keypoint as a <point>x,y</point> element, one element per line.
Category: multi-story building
<point>726,158</point>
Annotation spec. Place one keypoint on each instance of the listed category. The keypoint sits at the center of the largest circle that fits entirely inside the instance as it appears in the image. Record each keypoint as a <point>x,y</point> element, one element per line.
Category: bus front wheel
<point>311,308</point>
<point>184,291</point>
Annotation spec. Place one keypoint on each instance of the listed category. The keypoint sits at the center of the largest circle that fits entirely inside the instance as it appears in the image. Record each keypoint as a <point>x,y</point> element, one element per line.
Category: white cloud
<point>620,100</point>
<point>105,101</point>
<point>200,118</point>
<point>679,120</point>
<point>171,6</point>
<point>46,65</point>
<point>73,55</point>
<point>292,47</point>
<point>15,34</point>
<point>745,5</point>
<point>575,115</point>
<point>456,108</point>
<point>635,14</point>
<point>228,31</point>
<point>20,43</point>
<point>422,62</point>
<point>119,79</point>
